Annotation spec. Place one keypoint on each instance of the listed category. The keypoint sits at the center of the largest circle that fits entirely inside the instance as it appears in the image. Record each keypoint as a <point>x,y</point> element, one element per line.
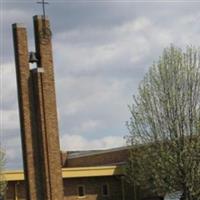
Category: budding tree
<point>164,128</point>
<point>2,180</point>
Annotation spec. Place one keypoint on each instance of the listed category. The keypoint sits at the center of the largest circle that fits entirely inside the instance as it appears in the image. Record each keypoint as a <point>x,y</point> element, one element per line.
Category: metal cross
<point>46,32</point>
<point>43,2</point>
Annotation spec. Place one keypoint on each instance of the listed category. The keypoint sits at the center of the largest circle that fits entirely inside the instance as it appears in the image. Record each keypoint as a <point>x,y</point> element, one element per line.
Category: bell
<point>32,57</point>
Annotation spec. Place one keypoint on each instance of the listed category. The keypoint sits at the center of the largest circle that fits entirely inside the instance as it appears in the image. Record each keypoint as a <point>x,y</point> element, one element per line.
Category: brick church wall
<point>92,185</point>
<point>16,188</point>
<point>93,188</point>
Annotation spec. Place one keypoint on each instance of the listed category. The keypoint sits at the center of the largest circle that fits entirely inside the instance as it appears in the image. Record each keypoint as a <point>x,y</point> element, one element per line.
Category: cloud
<point>8,107</point>
<point>101,52</point>
<point>11,143</point>
<point>95,102</point>
<point>10,119</point>
<point>91,53</point>
<point>120,50</point>
<point>8,86</point>
<point>85,126</point>
<point>72,142</point>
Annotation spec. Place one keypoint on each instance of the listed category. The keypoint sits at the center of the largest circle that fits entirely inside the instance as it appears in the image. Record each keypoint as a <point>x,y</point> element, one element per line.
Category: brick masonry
<point>92,186</point>
<point>38,115</point>
<point>39,133</point>
<point>25,106</point>
<point>119,189</point>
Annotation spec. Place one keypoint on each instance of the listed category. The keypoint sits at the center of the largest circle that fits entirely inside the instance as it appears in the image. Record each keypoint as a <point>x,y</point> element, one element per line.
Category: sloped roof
<point>77,154</point>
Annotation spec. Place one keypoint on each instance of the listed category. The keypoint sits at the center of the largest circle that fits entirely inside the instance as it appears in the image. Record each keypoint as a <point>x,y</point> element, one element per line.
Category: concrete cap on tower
<point>38,17</point>
<point>18,25</point>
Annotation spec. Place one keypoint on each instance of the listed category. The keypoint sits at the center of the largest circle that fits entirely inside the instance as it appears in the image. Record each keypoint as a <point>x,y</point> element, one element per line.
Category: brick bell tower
<point>38,115</point>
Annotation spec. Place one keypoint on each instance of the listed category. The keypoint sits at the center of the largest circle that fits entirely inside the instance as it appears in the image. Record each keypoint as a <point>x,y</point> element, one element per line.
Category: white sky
<point>102,49</point>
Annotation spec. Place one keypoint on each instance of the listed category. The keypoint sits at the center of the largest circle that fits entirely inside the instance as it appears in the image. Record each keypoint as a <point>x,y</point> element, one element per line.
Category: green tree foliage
<point>164,128</point>
<point>2,180</point>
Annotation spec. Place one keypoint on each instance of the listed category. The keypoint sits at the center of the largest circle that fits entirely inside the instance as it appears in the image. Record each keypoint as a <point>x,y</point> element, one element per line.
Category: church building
<point>48,173</point>
<point>90,175</point>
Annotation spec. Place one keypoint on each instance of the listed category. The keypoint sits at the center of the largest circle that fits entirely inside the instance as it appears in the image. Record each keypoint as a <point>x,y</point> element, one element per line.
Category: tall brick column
<point>25,106</point>
<point>46,114</point>
<point>43,168</point>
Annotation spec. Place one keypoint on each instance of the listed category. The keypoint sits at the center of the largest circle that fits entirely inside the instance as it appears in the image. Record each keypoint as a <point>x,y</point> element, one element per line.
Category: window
<point>81,191</point>
<point>105,190</point>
